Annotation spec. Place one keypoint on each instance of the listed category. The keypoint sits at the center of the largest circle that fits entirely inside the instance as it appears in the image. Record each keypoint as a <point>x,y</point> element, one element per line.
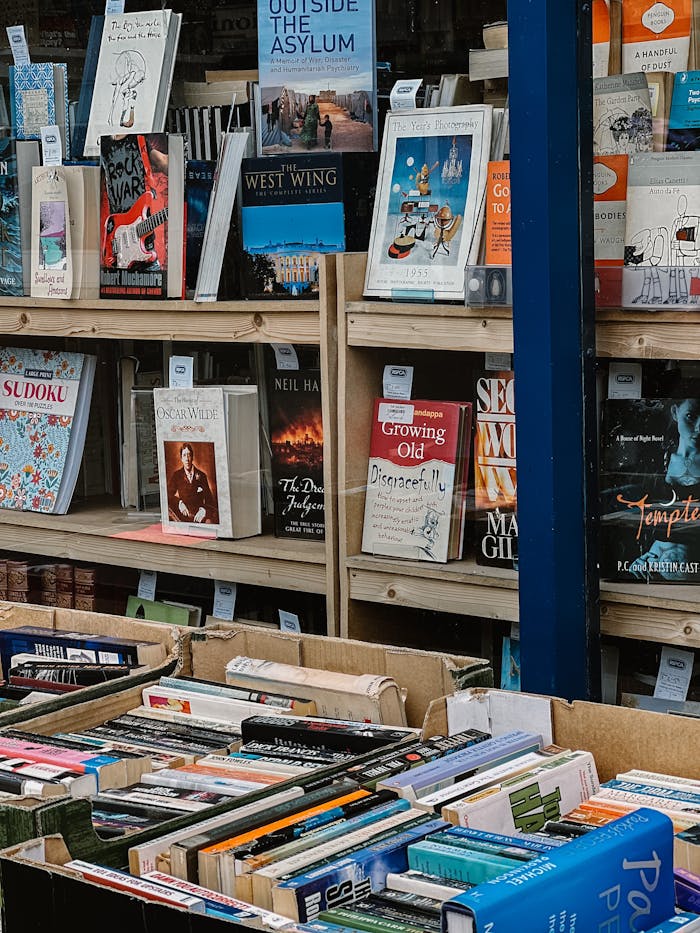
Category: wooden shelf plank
<point>425,309</point>
<point>423,332</point>
<point>90,534</point>
<point>667,614</point>
<point>239,321</point>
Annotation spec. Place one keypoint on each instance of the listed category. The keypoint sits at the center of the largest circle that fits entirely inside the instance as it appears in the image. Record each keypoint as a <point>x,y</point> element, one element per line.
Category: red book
<point>417,479</point>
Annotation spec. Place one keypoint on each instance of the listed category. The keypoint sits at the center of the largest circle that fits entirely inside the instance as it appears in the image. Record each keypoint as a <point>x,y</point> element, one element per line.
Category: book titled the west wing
<point>662,235</point>
<point>655,35</point>
<point>10,241</point>
<point>428,211</point>
<point>622,122</point>
<point>133,76</point>
<point>52,260</point>
<point>317,69</point>
<point>292,214</point>
<point>44,405</point>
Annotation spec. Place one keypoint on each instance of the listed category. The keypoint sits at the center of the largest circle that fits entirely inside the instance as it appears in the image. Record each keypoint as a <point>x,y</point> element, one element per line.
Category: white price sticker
<point>398,381</point>
<point>181,372</point>
<point>224,600</point>
<point>286,356</point>
<point>675,671</point>
<point>51,151</point>
<point>147,585</point>
<point>289,621</point>
<point>403,94</point>
<point>396,414</point>
<point>18,45</point>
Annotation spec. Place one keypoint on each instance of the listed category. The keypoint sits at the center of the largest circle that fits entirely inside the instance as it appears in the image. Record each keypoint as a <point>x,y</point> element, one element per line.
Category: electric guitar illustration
<point>126,236</point>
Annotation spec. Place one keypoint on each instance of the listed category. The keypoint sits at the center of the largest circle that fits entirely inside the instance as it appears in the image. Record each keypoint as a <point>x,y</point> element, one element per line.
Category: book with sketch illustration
<point>134,75</point>
<point>622,115</point>
<point>662,234</point>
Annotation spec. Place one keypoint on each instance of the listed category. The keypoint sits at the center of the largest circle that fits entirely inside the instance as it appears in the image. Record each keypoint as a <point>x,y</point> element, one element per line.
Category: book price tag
<point>18,45</point>
<point>289,621</point>
<point>51,151</point>
<point>114,6</point>
<point>497,361</point>
<point>403,94</point>
<point>286,356</point>
<point>675,671</point>
<point>181,370</point>
<point>396,414</point>
<point>224,599</point>
<point>398,381</point>
<point>147,585</point>
<point>625,380</point>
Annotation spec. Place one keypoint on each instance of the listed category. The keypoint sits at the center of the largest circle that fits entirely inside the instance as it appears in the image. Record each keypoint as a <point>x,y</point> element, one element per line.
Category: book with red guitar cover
<point>134,216</point>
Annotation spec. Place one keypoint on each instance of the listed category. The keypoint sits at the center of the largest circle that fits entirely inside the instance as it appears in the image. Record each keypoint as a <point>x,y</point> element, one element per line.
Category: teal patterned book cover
<point>39,97</point>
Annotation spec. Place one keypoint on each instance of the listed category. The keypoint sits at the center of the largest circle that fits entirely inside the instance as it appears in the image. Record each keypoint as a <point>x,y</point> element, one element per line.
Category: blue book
<point>10,239</point>
<point>39,97</point>
<point>684,118</point>
<point>199,182</point>
<point>618,877</point>
<point>486,846</point>
<point>482,835</point>
<point>87,86</point>
<point>682,921</point>
<point>348,878</point>
<point>457,864</point>
<point>477,757</point>
<point>654,790</point>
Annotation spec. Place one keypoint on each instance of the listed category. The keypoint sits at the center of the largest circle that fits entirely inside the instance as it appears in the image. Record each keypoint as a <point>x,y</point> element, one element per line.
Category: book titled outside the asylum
<point>292,214</point>
<point>428,212</point>
<point>316,64</point>
<point>416,479</point>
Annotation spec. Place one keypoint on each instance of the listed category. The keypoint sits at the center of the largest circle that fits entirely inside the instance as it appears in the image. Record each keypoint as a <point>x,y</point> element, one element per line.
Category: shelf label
<point>625,380</point>
<point>114,6</point>
<point>286,356</point>
<point>18,45</point>
<point>147,585</point>
<point>675,671</point>
<point>403,94</point>
<point>498,361</point>
<point>51,152</point>
<point>289,621</point>
<point>398,381</point>
<point>224,600</point>
<point>181,372</point>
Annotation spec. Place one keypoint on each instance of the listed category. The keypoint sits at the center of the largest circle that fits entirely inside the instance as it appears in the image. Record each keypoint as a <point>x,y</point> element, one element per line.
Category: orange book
<point>609,217</point>
<point>655,36</point>
<point>287,821</point>
<point>601,38</point>
<point>497,235</point>
<point>254,777</point>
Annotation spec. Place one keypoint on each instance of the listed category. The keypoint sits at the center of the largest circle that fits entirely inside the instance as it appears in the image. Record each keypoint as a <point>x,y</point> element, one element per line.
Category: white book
<point>193,703</point>
<point>415,882</point>
<point>622,122</point>
<point>51,253</point>
<point>134,75</point>
<point>174,777</point>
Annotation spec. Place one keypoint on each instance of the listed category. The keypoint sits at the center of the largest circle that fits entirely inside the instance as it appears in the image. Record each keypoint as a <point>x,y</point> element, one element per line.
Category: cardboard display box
<point>619,738</point>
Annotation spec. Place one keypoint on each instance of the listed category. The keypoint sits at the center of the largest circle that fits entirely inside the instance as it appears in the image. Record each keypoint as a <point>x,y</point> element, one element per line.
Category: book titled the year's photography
<point>429,206</point>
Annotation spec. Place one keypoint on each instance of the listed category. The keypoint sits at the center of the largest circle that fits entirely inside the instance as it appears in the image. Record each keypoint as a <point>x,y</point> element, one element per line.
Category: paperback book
<point>39,97</point>
<point>609,225</point>
<point>51,251</point>
<point>622,122</point>
<point>655,36</point>
<point>10,241</point>
<point>429,208</point>
<point>684,123</point>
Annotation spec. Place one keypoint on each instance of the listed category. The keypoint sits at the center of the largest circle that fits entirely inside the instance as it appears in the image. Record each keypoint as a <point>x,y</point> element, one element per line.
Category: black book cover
<point>296,441</point>
<point>650,490</point>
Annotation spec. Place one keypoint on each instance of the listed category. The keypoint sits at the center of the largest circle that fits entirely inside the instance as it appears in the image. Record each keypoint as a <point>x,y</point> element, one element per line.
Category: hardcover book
<point>317,76</point>
<point>133,75</point>
<point>609,224</point>
<point>39,97</point>
<point>428,212</point>
<point>495,472</point>
<point>296,440</point>
<point>10,241</point>
<point>44,405</point>
<point>662,240</point>
<point>650,490</point>
<point>655,36</point>
<point>417,479</point>
<point>622,121</point>
<point>292,213</point>
<point>51,251</point>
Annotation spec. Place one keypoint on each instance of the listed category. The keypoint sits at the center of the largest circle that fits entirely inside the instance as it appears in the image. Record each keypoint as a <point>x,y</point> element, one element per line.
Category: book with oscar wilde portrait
<point>417,479</point>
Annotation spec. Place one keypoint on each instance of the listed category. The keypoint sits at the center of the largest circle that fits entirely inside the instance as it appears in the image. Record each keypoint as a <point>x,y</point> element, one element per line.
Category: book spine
<point>457,864</point>
<point>123,882</point>
<point>344,736</point>
<point>671,794</point>
<point>479,835</point>
<point>72,760</point>
<point>239,693</point>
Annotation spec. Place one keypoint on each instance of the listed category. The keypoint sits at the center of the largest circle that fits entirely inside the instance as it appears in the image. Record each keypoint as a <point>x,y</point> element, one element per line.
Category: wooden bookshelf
<point>93,531</point>
<point>647,335</point>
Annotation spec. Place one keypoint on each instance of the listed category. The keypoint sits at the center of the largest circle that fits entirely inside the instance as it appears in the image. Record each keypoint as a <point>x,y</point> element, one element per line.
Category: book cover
<point>199,183</point>
<point>51,250</point>
<point>495,471</point>
<point>133,75</point>
<point>650,490</point>
<point>87,86</point>
<point>296,440</point>
<point>193,461</point>
<point>655,35</point>
<point>292,213</point>
<point>609,224</point>
<point>44,399</point>
<point>661,94</point>
<point>601,38</point>
<point>317,76</point>
<point>10,242</point>
<point>426,224</point>
<point>662,240</point>
<point>621,874</point>
<point>622,122</point>
<point>497,237</point>
<point>416,478</point>
<point>684,121</point>
<point>133,216</point>
<point>39,97</point>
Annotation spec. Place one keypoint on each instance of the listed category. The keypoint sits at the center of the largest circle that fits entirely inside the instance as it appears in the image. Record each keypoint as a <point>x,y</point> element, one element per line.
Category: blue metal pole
<point>554,335</point>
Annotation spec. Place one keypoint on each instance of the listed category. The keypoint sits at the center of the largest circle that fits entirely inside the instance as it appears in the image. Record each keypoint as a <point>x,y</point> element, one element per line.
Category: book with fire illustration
<point>296,440</point>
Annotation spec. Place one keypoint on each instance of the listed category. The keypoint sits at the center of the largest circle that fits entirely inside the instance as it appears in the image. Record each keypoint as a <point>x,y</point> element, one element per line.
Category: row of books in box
<point>467,831</point>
